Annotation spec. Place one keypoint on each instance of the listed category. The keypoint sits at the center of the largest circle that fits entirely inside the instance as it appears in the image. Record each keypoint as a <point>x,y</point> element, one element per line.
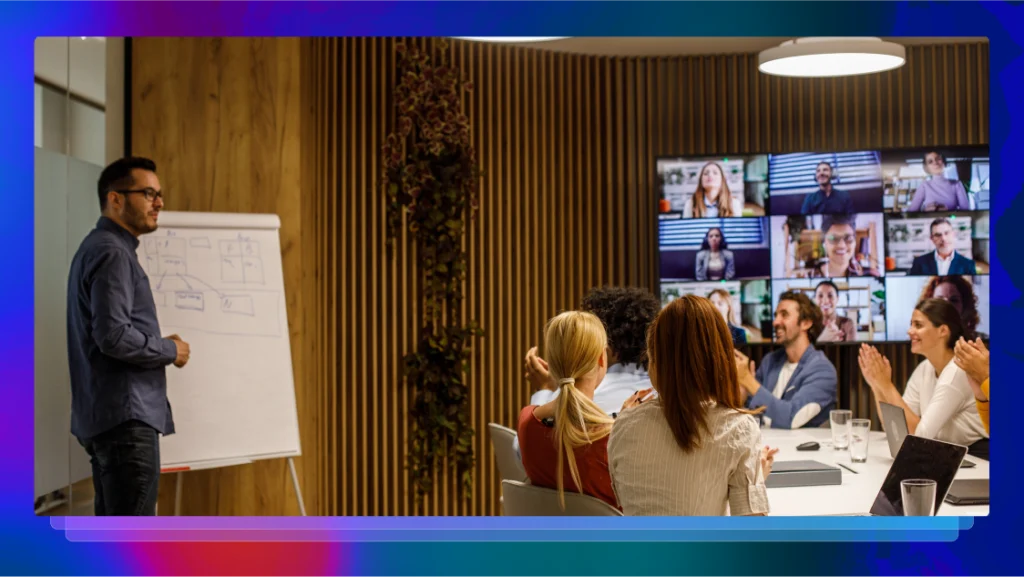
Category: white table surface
<point>858,491</point>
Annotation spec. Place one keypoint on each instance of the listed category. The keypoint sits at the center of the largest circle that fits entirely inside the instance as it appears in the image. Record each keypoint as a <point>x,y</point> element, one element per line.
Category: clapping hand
<point>535,370</point>
<point>876,368</point>
<point>767,459</point>
<point>973,358</point>
<point>831,334</point>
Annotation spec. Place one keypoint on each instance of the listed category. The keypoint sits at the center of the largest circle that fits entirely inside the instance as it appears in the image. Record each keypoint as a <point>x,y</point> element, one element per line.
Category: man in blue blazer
<point>796,384</point>
<point>944,260</point>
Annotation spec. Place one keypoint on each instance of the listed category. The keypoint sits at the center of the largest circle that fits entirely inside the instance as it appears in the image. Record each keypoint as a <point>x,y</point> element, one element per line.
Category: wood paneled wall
<point>568,144</point>
<point>221,118</point>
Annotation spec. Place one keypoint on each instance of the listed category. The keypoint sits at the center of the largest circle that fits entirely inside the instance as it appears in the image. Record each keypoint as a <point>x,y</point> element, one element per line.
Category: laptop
<point>918,458</point>
<point>968,492</point>
<point>894,421</point>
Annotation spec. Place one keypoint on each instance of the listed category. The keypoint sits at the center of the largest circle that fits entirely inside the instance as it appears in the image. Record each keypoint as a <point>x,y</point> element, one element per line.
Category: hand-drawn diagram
<point>240,261</point>
<point>178,266</point>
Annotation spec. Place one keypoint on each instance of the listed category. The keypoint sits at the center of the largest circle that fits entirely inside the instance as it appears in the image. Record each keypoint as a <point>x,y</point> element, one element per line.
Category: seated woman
<point>938,192</point>
<point>972,357</point>
<point>714,259</point>
<point>937,401</point>
<point>723,302</point>
<point>564,443</point>
<point>693,449</point>
<point>836,329</point>
<point>712,199</point>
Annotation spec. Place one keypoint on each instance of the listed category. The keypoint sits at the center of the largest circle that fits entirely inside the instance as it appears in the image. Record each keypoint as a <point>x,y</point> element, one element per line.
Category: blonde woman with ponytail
<point>564,443</point>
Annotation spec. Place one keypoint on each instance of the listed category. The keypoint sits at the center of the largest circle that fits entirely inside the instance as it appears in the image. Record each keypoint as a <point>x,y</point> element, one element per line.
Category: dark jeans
<point>125,469</point>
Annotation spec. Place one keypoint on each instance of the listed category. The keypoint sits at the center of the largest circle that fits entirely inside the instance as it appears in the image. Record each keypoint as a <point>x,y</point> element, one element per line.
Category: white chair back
<point>523,500</point>
<point>509,465</point>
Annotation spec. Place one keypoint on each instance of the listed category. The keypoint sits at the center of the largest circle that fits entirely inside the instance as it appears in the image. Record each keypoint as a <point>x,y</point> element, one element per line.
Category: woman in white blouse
<point>693,449</point>
<point>938,401</point>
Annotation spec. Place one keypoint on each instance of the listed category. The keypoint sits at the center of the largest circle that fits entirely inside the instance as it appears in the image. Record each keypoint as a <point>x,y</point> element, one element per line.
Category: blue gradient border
<point>29,545</point>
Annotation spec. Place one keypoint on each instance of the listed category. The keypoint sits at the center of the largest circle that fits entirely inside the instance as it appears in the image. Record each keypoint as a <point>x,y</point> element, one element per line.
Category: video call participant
<point>797,384</point>
<point>839,241</point>
<point>117,358</point>
<point>712,199</point>
<point>564,443</point>
<point>972,358</point>
<point>938,192</point>
<point>958,292</point>
<point>944,260</point>
<point>694,449</point>
<point>827,199</point>
<point>723,302</point>
<point>626,313</point>
<point>836,329</point>
<point>714,260</point>
<point>937,401</point>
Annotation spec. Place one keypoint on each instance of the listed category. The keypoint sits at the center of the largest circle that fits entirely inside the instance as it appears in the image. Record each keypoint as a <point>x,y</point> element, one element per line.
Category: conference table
<point>858,490</point>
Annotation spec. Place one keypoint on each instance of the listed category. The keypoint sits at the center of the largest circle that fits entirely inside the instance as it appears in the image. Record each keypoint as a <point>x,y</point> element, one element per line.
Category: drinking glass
<point>840,419</point>
<point>918,497</point>
<point>860,431</point>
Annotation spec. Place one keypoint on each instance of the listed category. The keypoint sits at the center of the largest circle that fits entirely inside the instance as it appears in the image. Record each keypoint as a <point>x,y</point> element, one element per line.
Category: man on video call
<point>944,260</point>
<point>827,199</point>
<point>797,384</point>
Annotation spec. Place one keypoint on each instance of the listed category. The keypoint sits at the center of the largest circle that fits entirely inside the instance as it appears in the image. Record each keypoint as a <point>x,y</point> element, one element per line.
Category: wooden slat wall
<point>568,144</point>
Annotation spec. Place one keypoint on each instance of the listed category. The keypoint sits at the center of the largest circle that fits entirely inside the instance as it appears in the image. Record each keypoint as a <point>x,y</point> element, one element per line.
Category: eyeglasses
<point>836,239</point>
<point>150,193</point>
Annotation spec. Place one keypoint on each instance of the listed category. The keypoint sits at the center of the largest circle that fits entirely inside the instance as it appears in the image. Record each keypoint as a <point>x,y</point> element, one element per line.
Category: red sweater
<point>540,460</point>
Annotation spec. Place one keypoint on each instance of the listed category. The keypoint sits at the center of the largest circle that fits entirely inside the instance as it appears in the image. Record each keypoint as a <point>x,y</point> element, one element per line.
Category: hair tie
<point>569,380</point>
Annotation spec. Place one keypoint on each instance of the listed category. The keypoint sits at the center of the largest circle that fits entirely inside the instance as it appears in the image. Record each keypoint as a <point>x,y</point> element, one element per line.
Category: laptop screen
<point>919,458</point>
<point>895,423</point>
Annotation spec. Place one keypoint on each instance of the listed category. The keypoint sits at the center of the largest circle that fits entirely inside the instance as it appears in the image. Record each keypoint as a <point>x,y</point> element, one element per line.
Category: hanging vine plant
<point>431,177</point>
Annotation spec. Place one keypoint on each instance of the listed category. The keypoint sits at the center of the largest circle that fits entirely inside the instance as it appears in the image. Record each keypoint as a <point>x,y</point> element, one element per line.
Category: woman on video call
<point>837,329</point>
<point>958,292</point>
<point>938,192</point>
<point>938,401</point>
<point>723,302</point>
<point>712,199</point>
<point>715,261</point>
<point>839,234</point>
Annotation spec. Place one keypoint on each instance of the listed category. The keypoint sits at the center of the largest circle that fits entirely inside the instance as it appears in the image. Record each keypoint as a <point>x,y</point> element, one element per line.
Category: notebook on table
<point>968,492</point>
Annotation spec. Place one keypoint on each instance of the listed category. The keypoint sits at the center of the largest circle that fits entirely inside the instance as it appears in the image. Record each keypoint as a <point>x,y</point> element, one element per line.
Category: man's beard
<point>137,220</point>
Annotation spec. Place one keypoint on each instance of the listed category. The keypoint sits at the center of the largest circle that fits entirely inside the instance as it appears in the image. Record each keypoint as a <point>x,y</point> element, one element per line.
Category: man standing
<point>802,380</point>
<point>944,260</point>
<point>117,358</point>
<point>827,199</point>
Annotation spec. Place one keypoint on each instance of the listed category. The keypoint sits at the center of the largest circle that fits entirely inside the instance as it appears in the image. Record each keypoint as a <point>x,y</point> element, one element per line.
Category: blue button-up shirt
<point>115,352</point>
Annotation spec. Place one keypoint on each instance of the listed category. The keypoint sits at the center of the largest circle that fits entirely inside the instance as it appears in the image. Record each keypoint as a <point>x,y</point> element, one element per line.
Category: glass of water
<point>860,431</point>
<point>840,419</point>
<point>918,497</point>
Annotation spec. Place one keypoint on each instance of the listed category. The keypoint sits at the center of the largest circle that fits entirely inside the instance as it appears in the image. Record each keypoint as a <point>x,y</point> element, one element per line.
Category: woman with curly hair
<point>957,291</point>
<point>626,313</point>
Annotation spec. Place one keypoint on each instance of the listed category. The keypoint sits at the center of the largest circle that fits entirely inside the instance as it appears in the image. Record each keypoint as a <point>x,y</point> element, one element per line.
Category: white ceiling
<point>689,45</point>
<point>86,76</point>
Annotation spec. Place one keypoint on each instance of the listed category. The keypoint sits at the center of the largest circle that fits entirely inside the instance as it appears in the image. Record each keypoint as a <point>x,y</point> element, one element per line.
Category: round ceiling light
<point>511,38</point>
<point>837,56</point>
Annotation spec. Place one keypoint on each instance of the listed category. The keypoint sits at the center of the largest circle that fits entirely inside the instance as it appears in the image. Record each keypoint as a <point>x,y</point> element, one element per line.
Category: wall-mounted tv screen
<point>865,235</point>
<point>714,186</point>
<point>825,182</point>
<point>936,179</point>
